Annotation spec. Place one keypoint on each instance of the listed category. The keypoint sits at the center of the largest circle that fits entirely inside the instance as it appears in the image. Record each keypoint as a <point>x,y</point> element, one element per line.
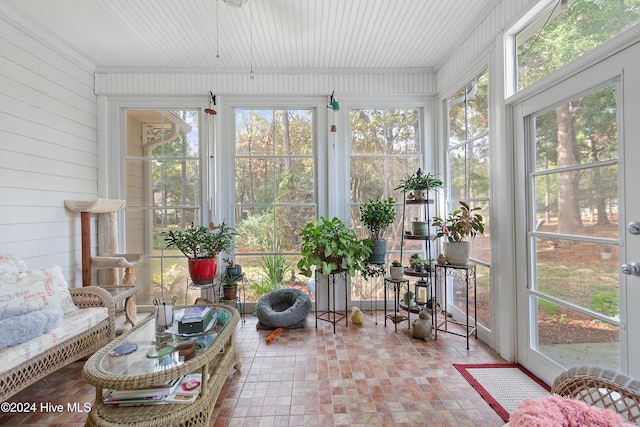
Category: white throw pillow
<point>11,264</point>
<point>36,288</point>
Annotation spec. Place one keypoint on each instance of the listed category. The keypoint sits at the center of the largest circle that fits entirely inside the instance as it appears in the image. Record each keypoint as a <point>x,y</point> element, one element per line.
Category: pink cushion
<point>558,411</point>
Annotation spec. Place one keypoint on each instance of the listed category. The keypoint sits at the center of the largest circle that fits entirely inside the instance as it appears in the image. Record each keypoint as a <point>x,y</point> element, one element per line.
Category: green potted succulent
<point>376,215</point>
<point>201,245</point>
<point>457,229</point>
<point>419,184</point>
<point>232,270</point>
<point>329,245</point>
<point>396,270</point>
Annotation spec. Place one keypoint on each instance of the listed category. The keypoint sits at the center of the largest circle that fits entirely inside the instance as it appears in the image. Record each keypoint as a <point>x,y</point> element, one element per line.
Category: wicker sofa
<point>87,325</point>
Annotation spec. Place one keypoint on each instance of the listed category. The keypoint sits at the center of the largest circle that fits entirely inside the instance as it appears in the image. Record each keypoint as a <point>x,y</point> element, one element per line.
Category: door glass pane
<point>580,202</point>
<point>574,339</point>
<point>576,195</point>
<point>580,273</point>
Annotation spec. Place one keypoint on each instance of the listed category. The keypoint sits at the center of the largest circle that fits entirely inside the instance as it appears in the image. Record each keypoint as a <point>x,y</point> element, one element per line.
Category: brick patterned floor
<point>362,375</point>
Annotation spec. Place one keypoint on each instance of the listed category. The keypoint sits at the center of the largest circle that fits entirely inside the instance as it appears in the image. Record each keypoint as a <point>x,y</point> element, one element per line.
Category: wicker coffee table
<point>136,371</point>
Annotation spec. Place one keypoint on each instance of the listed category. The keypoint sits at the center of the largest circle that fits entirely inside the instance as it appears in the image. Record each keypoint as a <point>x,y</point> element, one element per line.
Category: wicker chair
<point>601,387</point>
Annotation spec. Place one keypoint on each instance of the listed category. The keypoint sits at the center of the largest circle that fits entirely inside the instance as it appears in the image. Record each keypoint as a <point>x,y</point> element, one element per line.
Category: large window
<point>275,194</point>
<point>468,158</point>
<point>163,191</point>
<point>566,30</point>
<point>385,148</point>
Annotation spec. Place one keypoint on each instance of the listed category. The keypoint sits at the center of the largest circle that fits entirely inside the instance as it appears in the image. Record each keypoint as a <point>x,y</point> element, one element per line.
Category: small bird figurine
<point>441,259</point>
<point>357,316</point>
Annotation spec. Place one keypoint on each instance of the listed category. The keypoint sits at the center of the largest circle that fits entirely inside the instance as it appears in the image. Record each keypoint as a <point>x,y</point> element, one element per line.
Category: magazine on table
<point>159,391</point>
<point>187,391</point>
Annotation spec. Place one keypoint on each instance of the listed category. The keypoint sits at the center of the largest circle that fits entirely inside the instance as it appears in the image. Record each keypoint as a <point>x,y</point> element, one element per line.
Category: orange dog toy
<point>273,334</point>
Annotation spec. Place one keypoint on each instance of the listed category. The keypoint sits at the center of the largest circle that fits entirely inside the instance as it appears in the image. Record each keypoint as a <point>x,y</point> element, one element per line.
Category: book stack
<point>182,390</point>
<point>196,320</point>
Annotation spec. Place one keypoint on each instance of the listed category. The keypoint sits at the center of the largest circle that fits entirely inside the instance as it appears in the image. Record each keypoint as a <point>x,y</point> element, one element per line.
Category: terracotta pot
<point>230,292</point>
<point>202,271</point>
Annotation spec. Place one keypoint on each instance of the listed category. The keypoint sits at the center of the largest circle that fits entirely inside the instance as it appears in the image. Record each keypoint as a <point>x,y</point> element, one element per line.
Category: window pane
<point>478,107</point>
<point>289,221</point>
<point>293,131</point>
<point>367,178</point>
<point>567,30</point>
<point>401,130</point>
<point>367,136</point>
<point>295,180</point>
<point>255,227</point>
<point>457,117</point>
<point>481,245</point>
<point>478,185</point>
<point>254,132</point>
<point>255,180</point>
<point>384,131</point>
<point>458,173</point>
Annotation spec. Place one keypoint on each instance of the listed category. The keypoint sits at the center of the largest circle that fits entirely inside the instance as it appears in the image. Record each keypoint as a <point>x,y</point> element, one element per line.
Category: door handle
<point>634,227</point>
<point>632,268</point>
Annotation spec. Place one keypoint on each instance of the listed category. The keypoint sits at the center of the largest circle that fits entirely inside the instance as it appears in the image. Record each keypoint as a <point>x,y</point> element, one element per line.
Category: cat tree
<point>110,261</point>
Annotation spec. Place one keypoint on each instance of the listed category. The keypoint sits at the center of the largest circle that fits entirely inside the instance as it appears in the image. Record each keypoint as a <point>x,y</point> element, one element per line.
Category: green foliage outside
<point>568,30</point>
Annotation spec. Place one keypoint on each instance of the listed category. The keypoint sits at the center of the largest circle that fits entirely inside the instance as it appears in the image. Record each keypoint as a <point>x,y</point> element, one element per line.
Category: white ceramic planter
<point>456,253</point>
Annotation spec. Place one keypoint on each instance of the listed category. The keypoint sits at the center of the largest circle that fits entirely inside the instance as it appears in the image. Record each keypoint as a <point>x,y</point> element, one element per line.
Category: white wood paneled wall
<point>419,82</point>
<point>481,40</point>
<point>48,149</point>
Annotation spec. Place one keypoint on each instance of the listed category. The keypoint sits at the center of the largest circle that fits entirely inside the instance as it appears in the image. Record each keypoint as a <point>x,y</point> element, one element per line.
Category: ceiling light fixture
<point>236,3</point>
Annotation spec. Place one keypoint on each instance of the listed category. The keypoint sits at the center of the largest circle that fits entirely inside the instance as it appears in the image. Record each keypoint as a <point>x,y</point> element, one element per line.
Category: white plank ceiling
<point>275,35</point>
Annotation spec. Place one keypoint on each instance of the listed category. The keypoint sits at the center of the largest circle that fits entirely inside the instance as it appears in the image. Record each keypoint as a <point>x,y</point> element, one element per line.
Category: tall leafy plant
<point>329,245</point>
<point>377,214</point>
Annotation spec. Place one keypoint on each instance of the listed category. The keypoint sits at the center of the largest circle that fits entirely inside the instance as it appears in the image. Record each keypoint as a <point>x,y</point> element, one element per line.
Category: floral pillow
<point>36,288</point>
<point>10,264</point>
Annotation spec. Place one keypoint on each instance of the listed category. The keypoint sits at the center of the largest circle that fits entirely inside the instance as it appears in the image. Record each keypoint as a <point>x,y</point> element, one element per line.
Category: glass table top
<point>148,349</point>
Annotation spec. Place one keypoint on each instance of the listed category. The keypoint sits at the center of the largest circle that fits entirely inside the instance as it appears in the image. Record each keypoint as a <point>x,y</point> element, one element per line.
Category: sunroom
<point>267,114</point>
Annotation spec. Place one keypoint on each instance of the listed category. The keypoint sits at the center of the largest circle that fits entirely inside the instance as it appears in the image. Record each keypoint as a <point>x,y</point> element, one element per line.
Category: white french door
<point>577,153</point>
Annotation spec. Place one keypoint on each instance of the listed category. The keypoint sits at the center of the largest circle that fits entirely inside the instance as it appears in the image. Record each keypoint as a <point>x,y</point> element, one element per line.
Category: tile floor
<point>360,376</point>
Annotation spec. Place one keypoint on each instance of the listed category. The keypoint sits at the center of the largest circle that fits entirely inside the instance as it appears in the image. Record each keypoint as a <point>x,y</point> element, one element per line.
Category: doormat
<point>503,385</point>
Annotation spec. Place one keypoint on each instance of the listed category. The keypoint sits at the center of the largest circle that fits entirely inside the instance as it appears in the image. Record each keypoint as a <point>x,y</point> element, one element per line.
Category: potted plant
<point>457,229</point>
<point>377,214</point>
<point>329,245</point>
<point>396,270</point>
<point>419,184</point>
<point>201,245</point>
<point>233,270</point>
<point>230,287</point>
